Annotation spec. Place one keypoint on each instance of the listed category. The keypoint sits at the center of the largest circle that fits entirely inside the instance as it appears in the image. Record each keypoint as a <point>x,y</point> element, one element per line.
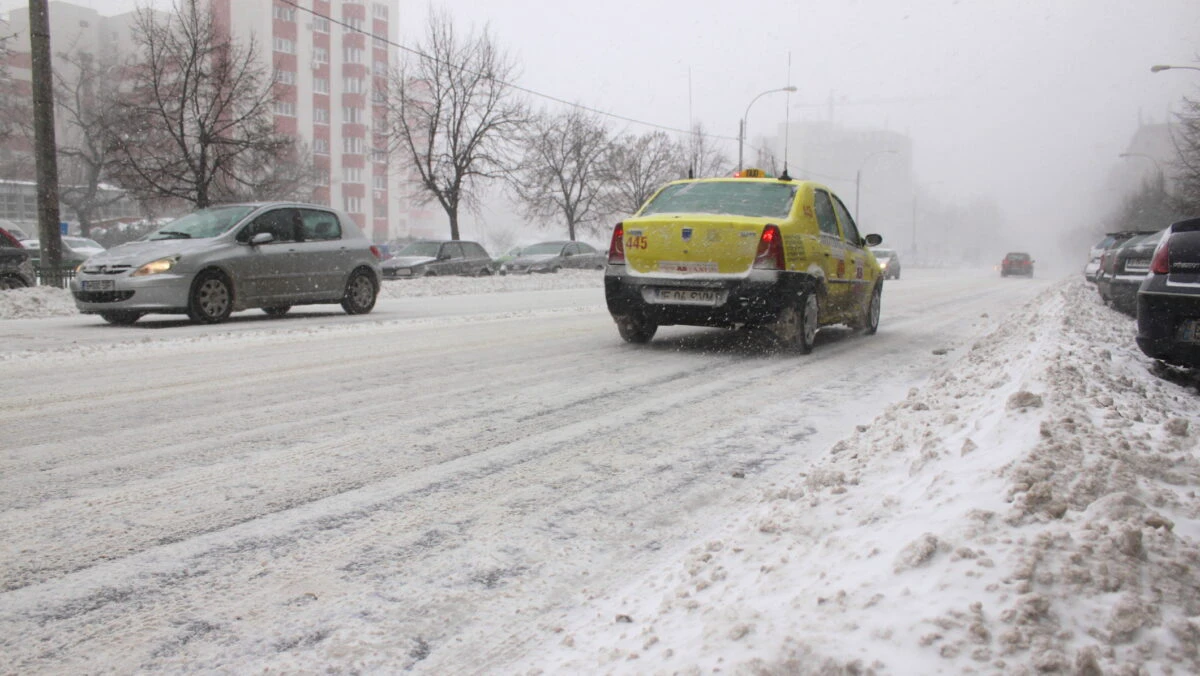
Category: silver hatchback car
<point>232,257</point>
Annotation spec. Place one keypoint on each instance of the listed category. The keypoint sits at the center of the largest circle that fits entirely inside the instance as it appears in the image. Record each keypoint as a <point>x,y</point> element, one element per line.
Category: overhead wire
<point>527,90</point>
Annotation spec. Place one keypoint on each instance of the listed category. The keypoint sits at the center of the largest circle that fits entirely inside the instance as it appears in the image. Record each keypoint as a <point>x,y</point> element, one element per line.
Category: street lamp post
<point>1162,180</point>
<point>742,122</point>
<point>1160,68</point>
<point>858,178</point>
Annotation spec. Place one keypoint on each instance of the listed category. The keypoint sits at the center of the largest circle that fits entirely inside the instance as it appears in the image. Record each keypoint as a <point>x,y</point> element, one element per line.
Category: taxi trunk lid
<point>692,244</point>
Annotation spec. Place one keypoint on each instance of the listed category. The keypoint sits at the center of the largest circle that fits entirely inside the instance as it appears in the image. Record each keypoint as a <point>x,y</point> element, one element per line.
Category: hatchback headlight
<point>156,267</point>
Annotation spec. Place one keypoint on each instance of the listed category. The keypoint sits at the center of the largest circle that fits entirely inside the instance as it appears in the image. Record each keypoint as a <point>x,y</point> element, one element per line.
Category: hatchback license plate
<point>98,285</point>
<point>689,296</point>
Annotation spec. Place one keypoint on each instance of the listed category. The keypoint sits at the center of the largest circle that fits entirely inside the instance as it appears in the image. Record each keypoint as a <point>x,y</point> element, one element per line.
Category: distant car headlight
<point>156,267</point>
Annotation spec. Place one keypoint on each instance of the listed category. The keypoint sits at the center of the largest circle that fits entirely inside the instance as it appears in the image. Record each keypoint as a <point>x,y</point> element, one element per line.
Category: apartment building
<point>330,62</point>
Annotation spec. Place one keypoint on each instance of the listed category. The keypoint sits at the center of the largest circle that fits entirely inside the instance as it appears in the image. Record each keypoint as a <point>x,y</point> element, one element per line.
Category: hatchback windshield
<point>733,198</point>
<point>202,224</point>
<point>426,249</point>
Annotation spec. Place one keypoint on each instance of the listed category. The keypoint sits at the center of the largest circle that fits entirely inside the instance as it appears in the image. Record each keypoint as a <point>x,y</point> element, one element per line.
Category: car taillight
<point>616,248</point>
<point>1160,264</point>
<point>770,250</point>
<point>376,253</point>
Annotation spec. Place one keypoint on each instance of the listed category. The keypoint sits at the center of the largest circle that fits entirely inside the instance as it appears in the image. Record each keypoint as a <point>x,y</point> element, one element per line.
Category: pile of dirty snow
<point>36,302</point>
<point>1031,509</point>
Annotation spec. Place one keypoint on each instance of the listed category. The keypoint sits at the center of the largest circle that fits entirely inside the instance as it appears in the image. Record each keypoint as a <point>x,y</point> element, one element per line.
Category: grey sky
<point>1025,101</point>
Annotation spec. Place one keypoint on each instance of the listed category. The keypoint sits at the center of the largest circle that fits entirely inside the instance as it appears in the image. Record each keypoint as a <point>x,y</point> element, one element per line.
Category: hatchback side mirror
<point>262,238</point>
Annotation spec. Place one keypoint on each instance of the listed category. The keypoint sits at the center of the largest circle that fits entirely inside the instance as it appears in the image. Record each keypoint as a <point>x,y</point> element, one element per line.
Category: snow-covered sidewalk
<point>1032,509</point>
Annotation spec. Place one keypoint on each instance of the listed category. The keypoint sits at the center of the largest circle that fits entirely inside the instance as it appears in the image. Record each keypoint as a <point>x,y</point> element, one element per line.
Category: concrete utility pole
<point>45,149</point>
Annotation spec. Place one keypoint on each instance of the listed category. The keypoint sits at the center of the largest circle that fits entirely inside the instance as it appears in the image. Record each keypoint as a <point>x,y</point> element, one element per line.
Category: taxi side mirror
<point>873,240</point>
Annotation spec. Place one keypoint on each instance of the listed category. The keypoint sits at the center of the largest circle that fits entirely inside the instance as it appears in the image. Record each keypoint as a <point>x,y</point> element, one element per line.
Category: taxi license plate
<point>98,285</point>
<point>1189,331</point>
<point>688,296</point>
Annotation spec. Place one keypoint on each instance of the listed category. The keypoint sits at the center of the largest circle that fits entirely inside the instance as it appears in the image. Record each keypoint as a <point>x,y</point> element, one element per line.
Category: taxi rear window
<point>728,198</point>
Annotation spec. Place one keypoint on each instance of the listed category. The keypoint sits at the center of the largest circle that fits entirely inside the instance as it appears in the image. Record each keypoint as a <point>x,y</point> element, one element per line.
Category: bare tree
<point>561,173</point>
<point>202,114</point>
<point>702,156</point>
<point>637,166</point>
<point>87,93</point>
<point>452,114</point>
<point>1187,163</point>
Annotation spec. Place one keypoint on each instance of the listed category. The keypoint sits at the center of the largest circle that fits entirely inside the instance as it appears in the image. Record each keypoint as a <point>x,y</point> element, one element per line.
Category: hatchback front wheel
<point>211,300</point>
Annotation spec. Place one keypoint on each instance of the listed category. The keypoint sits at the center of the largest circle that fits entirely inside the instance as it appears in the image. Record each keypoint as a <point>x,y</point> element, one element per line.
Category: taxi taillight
<point>616,248</point>
<point>770,250</point>
<point>1161,264</point>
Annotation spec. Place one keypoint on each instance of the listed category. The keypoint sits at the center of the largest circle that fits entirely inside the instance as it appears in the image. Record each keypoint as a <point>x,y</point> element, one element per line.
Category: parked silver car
<point>233,257</point>
<point>554,256</point>
<point>16,268</point>
<point>428,258</point>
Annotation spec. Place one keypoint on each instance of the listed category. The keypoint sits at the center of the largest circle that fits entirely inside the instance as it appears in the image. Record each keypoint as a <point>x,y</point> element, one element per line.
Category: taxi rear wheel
<point>635,329</point>
<point>796,326</point>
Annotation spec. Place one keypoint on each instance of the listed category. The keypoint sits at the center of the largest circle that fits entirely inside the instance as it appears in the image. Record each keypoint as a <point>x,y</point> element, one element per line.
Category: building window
<point>352,115</point>
<point>286,108</point>
<point>284,13</point>
<point>320,55</point>
<point>379,155</point>
<point>321,115</point>
<point>352,145</point>
<point>353,85</point>
<point>320,146</point>
<point>285,77</point>
<point>381,68</point>
<point>321,85</point>
<point>380,209</point>
<point>321,176</point>
<point>379,96</point>
<point>352,55</point>
<point>379,10</point>
<point>380,41</point>
<point>351,25</point>
<point>379,182</point>
<point>320,24</point>
<point>353,204</point>
<point>351,175</point>
<point>285,46</point>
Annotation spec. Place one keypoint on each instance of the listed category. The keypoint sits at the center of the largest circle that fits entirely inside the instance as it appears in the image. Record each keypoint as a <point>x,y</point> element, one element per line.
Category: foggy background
<point>1024,105</point>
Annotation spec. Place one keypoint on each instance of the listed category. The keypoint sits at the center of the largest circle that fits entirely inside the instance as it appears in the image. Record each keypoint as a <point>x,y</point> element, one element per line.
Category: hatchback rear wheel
<point>361,293</point>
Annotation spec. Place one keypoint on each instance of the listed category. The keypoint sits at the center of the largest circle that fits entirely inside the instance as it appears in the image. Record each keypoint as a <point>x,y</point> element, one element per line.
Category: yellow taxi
<point>747,250</point>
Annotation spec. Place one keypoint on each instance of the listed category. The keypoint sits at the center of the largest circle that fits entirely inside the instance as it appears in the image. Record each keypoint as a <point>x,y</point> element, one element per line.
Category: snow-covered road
<point>440,485</point>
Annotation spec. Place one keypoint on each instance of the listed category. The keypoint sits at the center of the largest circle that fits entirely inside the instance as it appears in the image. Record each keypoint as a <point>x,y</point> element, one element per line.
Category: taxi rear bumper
<point>717,302</point>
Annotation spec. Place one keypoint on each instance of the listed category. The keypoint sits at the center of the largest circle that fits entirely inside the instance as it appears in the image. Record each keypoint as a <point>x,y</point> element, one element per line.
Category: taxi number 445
<point>635,242</point>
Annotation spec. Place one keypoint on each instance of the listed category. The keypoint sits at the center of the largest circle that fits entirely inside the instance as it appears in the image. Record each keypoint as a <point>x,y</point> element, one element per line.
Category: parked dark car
<point>1016,263</point>
<point>16,267</point>
<point>1108,262</point>
<point>428,258</point>
<point>75,250</point>
<point>1127,267</point>
<point>554,256</point>
<point>1168,301</point>
<point>1111,240</point>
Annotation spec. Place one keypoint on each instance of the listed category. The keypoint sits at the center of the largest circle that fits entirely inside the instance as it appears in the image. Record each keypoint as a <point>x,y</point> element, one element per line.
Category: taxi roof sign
<point>750,173</point>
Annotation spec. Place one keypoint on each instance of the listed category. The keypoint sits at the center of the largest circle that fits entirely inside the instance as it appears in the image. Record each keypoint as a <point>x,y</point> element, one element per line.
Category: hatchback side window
<point>320,225</point>
<point>450,251</point>
<point>473,250</point>
<point>284,224</point>
<point>824,210</point>
<point>849,229</point>
<point>571,249</point>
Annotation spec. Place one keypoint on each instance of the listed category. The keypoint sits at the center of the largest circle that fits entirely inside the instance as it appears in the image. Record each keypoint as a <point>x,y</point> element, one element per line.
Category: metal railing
<point>59,277</point>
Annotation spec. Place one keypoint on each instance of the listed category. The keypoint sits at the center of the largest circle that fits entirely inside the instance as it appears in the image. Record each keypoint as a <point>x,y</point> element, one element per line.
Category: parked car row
<point>1155,277</point>
<point>16,265</point>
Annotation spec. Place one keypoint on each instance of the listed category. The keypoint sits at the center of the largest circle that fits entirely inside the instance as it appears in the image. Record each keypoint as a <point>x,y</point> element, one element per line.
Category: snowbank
<point>46,301</point>
<point>1032,509</point>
